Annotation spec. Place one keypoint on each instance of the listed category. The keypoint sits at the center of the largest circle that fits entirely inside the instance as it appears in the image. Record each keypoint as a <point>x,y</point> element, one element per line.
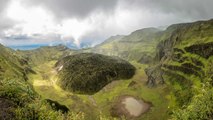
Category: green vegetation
<point>100,103</point>
<point>138,46</point>
<point>181,56</point>
<point>186,60</point>
<point>44,54</point>
<point>12,65</point>
<point>200,107</point>
<point>88,73</point>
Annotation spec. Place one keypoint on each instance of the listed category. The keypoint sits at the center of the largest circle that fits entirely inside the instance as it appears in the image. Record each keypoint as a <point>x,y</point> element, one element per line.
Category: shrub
<point>200,108</point>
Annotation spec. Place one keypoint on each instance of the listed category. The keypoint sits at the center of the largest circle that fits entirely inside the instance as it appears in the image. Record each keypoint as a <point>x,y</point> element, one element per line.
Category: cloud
<point>3,4</point>
<point>194,9</point>
<point>4,22</point>
<point>91,21</point>
<point>75,8</point>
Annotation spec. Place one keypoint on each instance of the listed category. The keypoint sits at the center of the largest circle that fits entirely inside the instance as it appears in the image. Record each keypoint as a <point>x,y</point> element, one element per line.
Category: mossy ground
<point>101,102</point>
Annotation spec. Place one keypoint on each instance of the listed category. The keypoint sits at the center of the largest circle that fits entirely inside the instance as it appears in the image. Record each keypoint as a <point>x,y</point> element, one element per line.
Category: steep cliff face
<point>185,60</point>
<point>188,49</point>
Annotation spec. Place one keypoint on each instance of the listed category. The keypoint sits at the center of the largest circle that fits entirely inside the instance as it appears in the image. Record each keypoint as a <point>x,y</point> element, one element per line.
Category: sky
<point>83,23</point>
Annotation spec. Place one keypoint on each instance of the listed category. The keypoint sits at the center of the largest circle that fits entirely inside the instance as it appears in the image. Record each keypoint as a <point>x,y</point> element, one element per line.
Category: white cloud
<point>40,24</point>
<point>35,20</point>
<point>74,28</point>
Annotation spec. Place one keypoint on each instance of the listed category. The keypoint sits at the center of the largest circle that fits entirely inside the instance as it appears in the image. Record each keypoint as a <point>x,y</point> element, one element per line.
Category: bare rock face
<point>145,59</point>
<point>155,75</point>
<point>205,49</point>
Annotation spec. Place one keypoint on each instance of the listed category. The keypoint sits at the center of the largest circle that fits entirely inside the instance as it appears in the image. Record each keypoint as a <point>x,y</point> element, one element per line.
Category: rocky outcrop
<point>146,59</point>
<point>204,49</point>
<point>186,70</point>
<point>57,106</point>
<point>155,75</point>
<point>179,51</point>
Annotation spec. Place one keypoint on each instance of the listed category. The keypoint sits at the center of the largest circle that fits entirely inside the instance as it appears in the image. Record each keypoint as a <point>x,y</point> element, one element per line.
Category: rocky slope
<point>187,50</point>
<point>88,73</point>
<point>185,60</point>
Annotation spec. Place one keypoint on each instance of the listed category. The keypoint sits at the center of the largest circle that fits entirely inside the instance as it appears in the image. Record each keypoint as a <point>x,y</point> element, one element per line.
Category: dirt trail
<point>92,100</point>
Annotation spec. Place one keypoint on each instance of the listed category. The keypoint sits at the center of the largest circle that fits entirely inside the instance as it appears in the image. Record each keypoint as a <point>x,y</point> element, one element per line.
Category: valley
<point>146,75</point>
<point>44,83</point>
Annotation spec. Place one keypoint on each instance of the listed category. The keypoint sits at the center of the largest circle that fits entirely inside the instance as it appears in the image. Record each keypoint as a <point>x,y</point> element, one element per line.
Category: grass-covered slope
<point>12,64</point>
<point>45,54</point>
<point>88,72</point>
<point>183,55</point>
<point>18,100</point>
<point>138,46</point>
<point>14,90</point>
<point>186,59</point>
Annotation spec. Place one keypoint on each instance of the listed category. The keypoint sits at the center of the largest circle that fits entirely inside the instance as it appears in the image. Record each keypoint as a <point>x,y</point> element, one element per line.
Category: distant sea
<point>27,47</point>
<point>35,46</point>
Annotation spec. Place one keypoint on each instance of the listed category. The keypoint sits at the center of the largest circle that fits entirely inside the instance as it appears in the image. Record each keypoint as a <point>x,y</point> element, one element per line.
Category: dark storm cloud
<point>75,8</point>
<point>195,9</point>
<point>82,8</point>
<point>4,22</point>
<point>18,37</point>
<point>99,19</point>
<point>190,9</point>
<point>3,4</point>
